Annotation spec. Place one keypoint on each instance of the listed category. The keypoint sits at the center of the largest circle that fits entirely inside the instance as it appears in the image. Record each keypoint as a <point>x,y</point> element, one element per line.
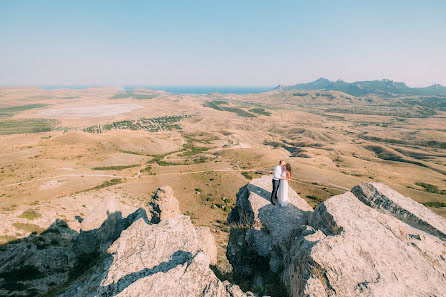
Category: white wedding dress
<point>283,192</point>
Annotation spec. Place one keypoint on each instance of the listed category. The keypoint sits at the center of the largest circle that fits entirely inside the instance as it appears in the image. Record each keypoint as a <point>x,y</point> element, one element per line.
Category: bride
<point>283,188</point>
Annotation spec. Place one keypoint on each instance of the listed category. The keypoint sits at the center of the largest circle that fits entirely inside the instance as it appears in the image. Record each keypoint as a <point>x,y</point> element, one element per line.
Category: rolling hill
<point>384,87</point>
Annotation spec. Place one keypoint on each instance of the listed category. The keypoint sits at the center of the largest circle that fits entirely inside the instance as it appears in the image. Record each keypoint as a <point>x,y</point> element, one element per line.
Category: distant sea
<point>183,89</point>
<point>204,89</point>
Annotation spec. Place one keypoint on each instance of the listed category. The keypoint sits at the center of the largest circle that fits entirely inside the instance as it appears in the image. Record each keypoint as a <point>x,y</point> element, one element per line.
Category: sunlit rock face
<point>370,241</point>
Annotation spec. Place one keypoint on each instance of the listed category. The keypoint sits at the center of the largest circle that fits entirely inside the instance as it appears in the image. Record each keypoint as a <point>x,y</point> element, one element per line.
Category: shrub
<point>119,167</point>
<point>247,175</point>
<point>30,214</point>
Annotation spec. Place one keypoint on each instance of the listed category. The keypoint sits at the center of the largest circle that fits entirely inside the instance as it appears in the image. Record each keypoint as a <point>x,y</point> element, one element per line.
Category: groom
<point>276,179</point>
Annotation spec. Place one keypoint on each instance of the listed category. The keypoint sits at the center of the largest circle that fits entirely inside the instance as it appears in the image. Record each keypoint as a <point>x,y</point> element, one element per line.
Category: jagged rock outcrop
<point>103,225</point>
<point>162,259</point>
<point>371,241</point>
<point>163,205</point>
<point>119,252</point>
<point>261,230</point>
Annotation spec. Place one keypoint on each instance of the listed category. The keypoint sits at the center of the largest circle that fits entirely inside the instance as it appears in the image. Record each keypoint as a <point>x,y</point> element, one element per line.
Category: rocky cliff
<point>370,241</point>
<point>153,251</point>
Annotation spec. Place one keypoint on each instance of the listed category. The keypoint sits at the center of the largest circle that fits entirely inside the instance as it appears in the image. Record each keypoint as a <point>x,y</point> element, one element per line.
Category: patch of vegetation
<point>120,167</point>
<point>166,123</point>
<point>293,150</point>
<point>238,111</point>
<point>431,188</point>
<point>148,168</point>
<point>214,104</point>
<point>191,150</point>
<point>159,159</point>
<point>165,163</point>
<point>260,111</point>
<point>434,204</point>
<point>388,155</point>
<point>69,97</point>
<point>12,207</point>
<point>415,155</point>
<point>120,96</point>
<point>419,112</point>
<point>435,102</point>
<point>138,96</point>
<point>143,96</point>
<point>105,184</point>
<point>315,198</point>
<point>33,228</point>
<point>247,175</point>
<point>108,183</point>
<point>201,137</point>
<point>200,160</point>
<point>13,278</point>
<point>425,143</point>
<point>26,126</point>
<point>10,111</point>
<point>220,102</point>
<point>30,214</point>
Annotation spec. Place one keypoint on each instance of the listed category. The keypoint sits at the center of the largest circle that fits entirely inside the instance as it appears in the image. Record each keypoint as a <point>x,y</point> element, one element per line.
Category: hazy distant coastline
<point>180,89</point>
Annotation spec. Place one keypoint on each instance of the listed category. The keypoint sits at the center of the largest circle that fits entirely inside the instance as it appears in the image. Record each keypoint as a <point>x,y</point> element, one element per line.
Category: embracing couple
<point>281,176</point>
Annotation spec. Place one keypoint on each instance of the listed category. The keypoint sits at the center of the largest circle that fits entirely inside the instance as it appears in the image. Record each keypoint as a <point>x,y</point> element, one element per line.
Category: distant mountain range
<point>384,87</point>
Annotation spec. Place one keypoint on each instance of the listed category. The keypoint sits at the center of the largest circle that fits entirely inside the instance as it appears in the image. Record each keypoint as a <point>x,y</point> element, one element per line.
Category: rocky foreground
<point>370,241</point>
<point>154,251</point>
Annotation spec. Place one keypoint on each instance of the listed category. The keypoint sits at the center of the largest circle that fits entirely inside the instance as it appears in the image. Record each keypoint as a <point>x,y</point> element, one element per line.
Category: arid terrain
<point>63,150</point>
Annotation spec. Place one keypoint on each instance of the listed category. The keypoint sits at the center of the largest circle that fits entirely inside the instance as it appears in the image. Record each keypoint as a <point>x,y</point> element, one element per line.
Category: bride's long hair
<point>288,168</point>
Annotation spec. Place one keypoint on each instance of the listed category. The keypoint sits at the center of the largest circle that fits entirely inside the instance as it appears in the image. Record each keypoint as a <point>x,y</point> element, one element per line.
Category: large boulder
<point>164,259</point>
<point>371,241</point>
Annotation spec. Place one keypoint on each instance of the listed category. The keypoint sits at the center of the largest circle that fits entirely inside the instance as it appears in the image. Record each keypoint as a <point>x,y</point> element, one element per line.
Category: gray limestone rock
<point>164,259</point>
<point>163,205</point>
<point>371,241</point>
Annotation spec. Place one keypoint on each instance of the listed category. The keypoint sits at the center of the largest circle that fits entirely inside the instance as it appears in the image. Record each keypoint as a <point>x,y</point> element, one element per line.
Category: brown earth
<point>332,145</point>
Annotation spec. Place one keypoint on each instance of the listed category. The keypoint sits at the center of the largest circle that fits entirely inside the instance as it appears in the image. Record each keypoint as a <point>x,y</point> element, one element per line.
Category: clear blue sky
<point>221,42</point>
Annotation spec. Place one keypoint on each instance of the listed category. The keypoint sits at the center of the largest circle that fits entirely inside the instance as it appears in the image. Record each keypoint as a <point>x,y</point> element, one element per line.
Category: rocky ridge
<point>370,241</point>
<point>154,251</point>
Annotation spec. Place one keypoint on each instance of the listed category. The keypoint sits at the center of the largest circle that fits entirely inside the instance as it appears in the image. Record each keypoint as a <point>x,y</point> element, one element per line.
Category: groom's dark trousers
<point>275,188</point>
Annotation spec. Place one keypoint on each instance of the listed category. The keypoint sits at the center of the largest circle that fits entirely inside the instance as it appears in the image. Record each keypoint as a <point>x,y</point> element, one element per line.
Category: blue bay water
<point>182,89</point>
<point>205,89</point>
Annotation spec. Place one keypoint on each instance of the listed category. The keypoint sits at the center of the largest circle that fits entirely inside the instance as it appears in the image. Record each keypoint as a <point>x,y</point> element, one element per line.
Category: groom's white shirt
<point>277,172</point>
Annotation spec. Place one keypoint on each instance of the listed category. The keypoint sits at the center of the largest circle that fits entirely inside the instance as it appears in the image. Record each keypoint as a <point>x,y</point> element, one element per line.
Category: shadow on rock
<point>177,258</point>
<point>46,263</point>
